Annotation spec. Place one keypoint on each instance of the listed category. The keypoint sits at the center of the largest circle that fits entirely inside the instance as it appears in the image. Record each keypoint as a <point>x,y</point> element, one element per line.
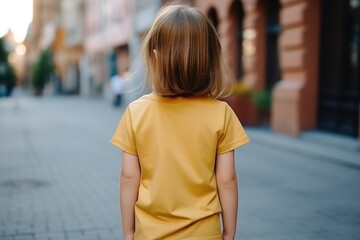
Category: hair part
<point>183,55</point>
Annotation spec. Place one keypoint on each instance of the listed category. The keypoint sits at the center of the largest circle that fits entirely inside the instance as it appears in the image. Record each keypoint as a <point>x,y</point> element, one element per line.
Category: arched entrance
<point>339,88</point>
<point>268,30</point>
<point>236,18</point>
<point>267,57</point>
<point>272,31</point>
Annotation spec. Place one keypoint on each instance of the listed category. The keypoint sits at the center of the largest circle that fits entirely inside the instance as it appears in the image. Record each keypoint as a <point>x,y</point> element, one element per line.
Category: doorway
<point>339,88</point>
<point>273,30</point>
<point>237,16</point>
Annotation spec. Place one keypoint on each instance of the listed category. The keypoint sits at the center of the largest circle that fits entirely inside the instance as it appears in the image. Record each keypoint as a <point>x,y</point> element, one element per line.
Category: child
<point>117,83</point>
<point>178,142</point>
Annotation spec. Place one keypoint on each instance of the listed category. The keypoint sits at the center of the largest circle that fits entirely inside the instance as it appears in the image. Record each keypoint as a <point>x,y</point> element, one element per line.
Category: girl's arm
<point>228,192</point>
<point>129,185</point>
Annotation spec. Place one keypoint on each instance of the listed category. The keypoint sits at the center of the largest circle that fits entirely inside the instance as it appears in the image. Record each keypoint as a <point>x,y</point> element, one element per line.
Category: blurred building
<point>46,19</point>
<point>305,52</point>
<point>68,46</point>
<point>43,29</point>
<point>89,40</point>
<point>108,28</point>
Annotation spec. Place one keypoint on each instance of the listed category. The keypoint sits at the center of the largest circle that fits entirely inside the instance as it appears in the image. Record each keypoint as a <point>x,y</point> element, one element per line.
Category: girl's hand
<point>129,237</point>
<point>227,237</point>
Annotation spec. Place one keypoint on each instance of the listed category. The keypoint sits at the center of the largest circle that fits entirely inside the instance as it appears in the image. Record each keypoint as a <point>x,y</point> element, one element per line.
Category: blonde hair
<point>183,55</point>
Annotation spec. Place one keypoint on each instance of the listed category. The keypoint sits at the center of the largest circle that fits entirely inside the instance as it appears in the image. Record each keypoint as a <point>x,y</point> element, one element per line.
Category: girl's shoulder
<point>202,104</point>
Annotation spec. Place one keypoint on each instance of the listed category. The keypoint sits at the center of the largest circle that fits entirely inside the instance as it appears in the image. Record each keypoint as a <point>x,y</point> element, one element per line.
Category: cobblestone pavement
<point>59,179</point>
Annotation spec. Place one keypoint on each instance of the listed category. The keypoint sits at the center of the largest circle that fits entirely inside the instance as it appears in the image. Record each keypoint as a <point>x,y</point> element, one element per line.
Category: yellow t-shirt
<point>176,141</point>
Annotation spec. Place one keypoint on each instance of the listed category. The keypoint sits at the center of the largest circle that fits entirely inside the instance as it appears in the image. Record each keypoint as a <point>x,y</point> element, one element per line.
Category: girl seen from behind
<point>178,178</point>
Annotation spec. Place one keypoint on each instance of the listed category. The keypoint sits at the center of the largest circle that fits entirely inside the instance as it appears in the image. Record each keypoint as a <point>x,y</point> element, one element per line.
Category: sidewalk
<point>59,177</point>
<point>317,145</point>
<point>58,171</point>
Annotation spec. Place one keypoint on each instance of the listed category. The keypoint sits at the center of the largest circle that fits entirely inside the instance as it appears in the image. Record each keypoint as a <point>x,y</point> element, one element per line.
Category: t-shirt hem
<point>238,143</point>
<point>126,148</point>
<point>218,237</point>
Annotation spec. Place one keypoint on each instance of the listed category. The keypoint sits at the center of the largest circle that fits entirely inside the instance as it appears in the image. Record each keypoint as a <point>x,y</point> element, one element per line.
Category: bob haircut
<point>183,55</point>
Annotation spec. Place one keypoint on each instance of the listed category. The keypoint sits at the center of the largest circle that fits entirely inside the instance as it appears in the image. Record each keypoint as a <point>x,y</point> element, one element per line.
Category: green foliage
<point>3,53</point>
<point>7,73</point>
<point>42,69</point>
<point>262,100</point>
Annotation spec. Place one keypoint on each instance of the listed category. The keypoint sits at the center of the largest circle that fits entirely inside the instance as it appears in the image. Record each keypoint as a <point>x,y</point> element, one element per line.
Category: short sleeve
<point>124,136</point>
<point>233,134</point>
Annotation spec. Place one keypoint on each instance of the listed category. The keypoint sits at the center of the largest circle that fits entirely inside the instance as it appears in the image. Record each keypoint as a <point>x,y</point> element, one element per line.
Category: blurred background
<point>298,61</point>
<point>297,94</point>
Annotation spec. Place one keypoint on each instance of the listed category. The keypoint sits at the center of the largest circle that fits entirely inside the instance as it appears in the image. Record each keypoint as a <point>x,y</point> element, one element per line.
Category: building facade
<point>43,29</point>
<point>108,28</point>
<point>306,52</point>
<point>68,46</point>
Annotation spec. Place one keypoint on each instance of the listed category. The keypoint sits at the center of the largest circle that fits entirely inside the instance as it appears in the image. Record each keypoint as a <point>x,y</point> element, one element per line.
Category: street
<point>59,179</point>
